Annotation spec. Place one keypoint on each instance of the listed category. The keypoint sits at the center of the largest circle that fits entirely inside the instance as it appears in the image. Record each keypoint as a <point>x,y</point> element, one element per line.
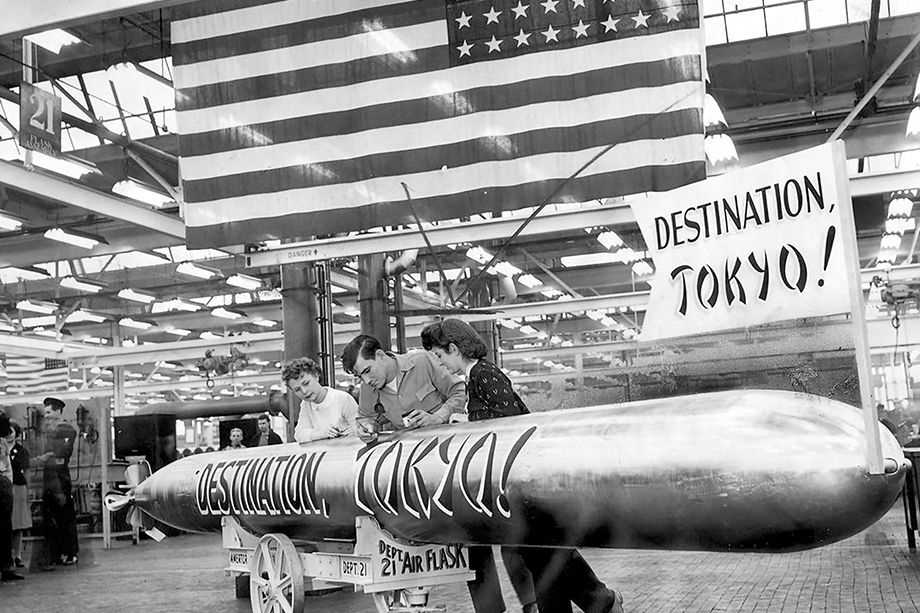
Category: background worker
<point>236,439</point>
<point>58,514</point>
<point>325,412</point>
<point>265,435</point>
<point>405,391</point>
<point>22,514</point>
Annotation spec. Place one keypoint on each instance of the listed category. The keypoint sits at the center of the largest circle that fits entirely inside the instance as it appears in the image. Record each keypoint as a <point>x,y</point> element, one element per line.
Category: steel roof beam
<point>21,18</point>
<point>76,195</point>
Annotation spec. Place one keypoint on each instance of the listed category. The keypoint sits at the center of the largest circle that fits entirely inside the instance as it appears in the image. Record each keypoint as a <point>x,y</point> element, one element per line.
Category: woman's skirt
<point>22,515</point>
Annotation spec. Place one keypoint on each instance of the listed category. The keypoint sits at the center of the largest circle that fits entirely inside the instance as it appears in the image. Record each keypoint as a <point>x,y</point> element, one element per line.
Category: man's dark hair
<point>458,332</point>
<point>55,403</point>
<point>5,428</point>
<point>293,369</point>
<point>16,427</point>
<point>265,417</point>
<point>364,345</point>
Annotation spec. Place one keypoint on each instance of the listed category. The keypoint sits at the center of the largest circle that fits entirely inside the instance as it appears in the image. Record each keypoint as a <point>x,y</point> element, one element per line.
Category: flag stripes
<point>651,178</point>
<point>609,79</point>
<point>31,375</point>
<point>310,115</point>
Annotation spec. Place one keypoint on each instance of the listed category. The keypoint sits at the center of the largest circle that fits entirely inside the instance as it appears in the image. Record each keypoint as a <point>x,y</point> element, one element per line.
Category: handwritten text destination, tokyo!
<point>277,485</point>
<point>706,284</point>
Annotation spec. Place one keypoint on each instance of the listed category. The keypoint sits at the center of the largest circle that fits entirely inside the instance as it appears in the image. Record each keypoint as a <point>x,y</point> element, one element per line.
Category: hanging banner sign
<point>754,246</point>
<point>39,120</point>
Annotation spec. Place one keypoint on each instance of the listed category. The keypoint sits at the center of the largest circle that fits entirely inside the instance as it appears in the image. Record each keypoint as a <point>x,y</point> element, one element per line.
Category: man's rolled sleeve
<point>452,388</point>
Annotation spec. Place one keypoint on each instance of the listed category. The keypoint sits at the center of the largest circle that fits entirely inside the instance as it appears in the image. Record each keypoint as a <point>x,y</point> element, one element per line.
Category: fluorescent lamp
<point>29,273</point>
<point>244,281</point>
<point>178,331</point>
<point>899,225</point>
<point>10,222</point>
<point>528,280</point>
<point>81,315</point>
<point>135,323</point>
<point>37,306</point>
<point>913,122</point>
<point>527,329</point>
<point>73,237</point>
<point>137,295</point>
<point>136,191</point>
<point>83,285</point>
<point>610,240</point>
<point>265,323</point>
<point>551,292</point>
<point>209,336</point>
<point>64,165</point>
<point>900,206</point>
<point>226,313</point>
<point>712,112</point>
<point>891,241</point>
<point>197,270</point>
<point>719,148</point>
<point>642,268</point>
<point>176,304</point>
<point>53,40</point>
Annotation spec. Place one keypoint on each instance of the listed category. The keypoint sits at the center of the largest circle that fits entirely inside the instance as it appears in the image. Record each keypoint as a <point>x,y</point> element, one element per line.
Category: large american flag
<point>31,375</point>
<point>304,117</point>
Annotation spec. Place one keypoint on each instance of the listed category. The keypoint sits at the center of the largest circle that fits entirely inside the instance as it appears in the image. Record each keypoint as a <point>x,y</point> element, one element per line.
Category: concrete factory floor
<point>871,572</point>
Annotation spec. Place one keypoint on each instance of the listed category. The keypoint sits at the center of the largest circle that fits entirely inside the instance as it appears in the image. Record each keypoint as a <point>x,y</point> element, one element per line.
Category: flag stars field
<point>492,16</point>
<point>549,6</point>
<point>463,20</point>
<point>520,11</point>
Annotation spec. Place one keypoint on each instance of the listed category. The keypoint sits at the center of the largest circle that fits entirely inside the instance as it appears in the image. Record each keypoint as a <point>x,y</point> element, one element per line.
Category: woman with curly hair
<point>325,412</point>
<point>560,576</point>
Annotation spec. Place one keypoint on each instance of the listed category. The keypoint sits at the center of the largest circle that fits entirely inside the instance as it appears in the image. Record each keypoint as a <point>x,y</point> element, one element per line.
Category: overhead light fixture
<point>527,329</point>
<point>899,225</point>
<point>66,165</point>
<point>129,67</point>
<point>209,336</point>
<point>53,40</point>
<point>178,331</point>
<point>509,323</point>
<point>610,240</point>
<point>891,241</point>
<point>244,281</point>
<point>719,148</point>
<point>10,222</point>
<point>176,304</point>
<point>900,206</point>
<point>712,112</point>
<point>138,324</point>
<point>74,237</point>
<point>642,268</point>
<point>224,313</point>
<point>82,315</point>
<point>913,122</point>
<point>134,190</point>
<point>82,284</point>
<point>28,273</point>
<point>37,306</point>
<point>528,280</point>
<point>137,295</point>
<point>192,269</point>
<point>265,323</point>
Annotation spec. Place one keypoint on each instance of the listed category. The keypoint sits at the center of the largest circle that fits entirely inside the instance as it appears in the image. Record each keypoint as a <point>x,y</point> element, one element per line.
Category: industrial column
<point>372,298</point>
<point>299,311</point>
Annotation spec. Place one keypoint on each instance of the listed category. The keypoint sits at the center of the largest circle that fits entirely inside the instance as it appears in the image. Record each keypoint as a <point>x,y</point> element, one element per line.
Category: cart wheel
<point>276,576</point>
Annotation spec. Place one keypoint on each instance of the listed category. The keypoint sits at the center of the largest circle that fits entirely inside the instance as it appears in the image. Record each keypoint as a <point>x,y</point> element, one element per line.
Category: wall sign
<point>39,120</point>
<point>758,245</point>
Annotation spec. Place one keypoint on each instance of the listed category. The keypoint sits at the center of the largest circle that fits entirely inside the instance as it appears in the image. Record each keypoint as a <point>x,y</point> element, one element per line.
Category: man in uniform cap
<point>58,515</point>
